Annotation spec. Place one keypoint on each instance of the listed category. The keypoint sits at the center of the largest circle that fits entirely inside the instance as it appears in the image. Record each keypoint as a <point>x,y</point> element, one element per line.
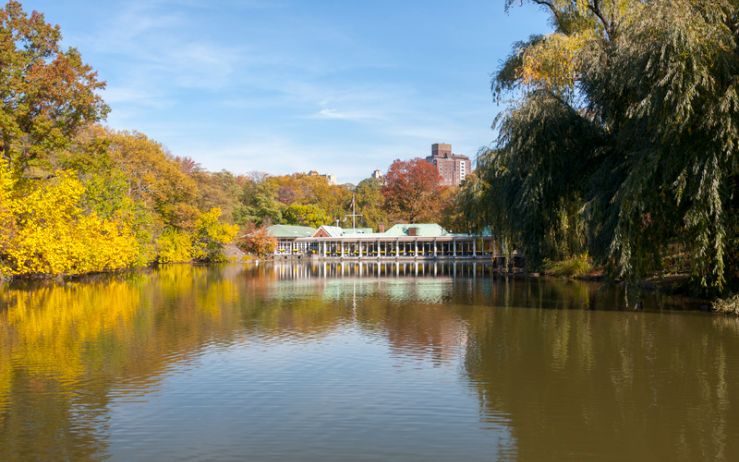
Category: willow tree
<point>621,138</point>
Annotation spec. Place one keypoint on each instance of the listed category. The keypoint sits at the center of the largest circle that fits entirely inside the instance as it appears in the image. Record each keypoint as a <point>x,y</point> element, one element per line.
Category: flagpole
<point>354,212</point>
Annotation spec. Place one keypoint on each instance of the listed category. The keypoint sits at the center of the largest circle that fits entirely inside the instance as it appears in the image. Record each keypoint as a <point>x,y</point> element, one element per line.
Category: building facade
<point>330,178</point>
<point>286,237</point>
<point>452,168</point>
<point>401,241</point>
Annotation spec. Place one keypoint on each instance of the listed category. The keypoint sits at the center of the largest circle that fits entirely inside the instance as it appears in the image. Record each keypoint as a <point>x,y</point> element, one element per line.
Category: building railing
<point>410,247</point>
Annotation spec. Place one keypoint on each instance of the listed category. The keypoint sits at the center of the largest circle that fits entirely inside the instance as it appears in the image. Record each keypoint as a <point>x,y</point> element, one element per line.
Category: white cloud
<point>290,93</point>
<point>329,113</point>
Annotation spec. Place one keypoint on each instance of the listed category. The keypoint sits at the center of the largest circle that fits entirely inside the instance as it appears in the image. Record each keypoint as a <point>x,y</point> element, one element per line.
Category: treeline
<point>410,192</point>
<point>108,201</point>
<point>620,143</point>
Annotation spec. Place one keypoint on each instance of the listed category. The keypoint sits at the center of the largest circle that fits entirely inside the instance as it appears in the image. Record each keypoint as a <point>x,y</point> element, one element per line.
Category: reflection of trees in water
<point>564,377</point>
<point>640,386</point>
<point>433,332</point>
<point>65,348</point>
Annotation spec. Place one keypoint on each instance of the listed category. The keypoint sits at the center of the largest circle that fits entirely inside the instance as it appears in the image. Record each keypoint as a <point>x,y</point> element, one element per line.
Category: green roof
<point>399,230</point>
<point>333,231</point>
<point>288,231</point>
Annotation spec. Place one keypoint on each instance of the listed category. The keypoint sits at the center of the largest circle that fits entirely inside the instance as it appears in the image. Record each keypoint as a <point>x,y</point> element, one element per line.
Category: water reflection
<point>428,361</point>
<point>378,268</point>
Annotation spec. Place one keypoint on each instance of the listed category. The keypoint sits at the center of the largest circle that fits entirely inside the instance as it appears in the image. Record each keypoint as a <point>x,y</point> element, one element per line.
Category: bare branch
<point>551,7</point>
<point>595,9</point>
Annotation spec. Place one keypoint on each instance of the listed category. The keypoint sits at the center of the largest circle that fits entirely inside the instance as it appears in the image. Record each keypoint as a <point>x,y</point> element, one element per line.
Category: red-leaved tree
<point>257,241</point>
<point>412,190</point>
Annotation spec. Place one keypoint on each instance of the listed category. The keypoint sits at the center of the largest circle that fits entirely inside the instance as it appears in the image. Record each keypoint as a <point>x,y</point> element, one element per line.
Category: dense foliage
<point>257,241</point>
<point>113,201</point>
<point>47,92</point>
<point>298,199</point>
<point>621,140</point>
<point>412,190</point>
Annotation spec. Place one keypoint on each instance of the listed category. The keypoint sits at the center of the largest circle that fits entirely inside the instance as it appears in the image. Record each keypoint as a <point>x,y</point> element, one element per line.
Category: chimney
<point>382,227</point>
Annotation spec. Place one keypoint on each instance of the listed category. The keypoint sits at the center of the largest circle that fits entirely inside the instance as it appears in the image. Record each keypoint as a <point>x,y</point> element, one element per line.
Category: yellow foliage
<point>153,175</point>
<point>552,62</point>
<point>62,226</point>
<point>205,243</point>
<point>174,247</point>
<point>6,188</point>
<point>211,235</point>
<point>47,232</point>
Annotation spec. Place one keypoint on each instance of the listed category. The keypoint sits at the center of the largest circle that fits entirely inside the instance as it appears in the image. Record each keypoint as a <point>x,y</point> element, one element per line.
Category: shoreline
<point>672,287</point>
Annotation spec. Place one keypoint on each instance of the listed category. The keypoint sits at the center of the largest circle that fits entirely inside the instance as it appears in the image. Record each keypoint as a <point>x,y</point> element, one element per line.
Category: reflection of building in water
<point>401,242</point>
<point>435,331</point>
<point>382,269</point>
<point>376,293</point>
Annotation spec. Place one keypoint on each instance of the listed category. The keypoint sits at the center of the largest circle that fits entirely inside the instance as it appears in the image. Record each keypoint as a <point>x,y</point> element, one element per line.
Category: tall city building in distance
<point>453,168</point>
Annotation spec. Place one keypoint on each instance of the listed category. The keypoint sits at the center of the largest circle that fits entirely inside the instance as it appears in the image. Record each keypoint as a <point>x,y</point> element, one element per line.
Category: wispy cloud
<point>286,85</point>
<point>329,113</point>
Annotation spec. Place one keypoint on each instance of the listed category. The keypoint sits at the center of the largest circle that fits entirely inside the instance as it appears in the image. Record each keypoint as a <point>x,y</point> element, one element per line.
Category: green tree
<point>622,138</point>
<point>48,93</point>
<point>371,203</point>
<point>259,204</point>
<point>306,215</point>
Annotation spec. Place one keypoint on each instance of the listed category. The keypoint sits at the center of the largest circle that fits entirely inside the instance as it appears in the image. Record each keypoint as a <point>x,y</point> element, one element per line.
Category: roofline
<point>360,237</point>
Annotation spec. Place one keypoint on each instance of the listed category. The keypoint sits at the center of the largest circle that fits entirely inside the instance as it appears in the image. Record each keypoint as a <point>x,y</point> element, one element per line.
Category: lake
<point>410,362</point>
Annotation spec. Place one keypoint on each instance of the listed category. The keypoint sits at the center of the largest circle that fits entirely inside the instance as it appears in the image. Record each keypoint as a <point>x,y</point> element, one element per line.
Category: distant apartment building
<point>330,178</point>
<point>453,168</point>
<point>377,175</point>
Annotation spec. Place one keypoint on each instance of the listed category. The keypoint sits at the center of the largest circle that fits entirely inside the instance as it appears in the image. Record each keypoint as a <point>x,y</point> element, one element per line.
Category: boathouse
<point>401,241</point>
<point>286,235</point>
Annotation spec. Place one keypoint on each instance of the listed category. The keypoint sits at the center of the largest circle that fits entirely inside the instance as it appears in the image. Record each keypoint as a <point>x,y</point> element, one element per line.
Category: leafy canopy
<point>48,93</point>
<point>411,189</point>
<point>621,138</point>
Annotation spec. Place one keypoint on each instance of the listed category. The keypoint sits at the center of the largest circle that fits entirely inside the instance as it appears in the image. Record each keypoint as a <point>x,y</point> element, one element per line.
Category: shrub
<point>257,242</point>
<point>578,265</point>
<point>174,247</point>
<point>45,231</point>
<point>728,305</point>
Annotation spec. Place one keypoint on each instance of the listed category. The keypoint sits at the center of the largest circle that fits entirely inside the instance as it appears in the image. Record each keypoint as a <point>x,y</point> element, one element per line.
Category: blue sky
<point>281,86</point>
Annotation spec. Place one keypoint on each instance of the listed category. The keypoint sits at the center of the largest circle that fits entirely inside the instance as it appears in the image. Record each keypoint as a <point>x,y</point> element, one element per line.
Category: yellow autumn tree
<point>47,232</point>
<point>174,246</point>
<point>205,243</point>
<point>6,214</point>
<point>552,62</point>
<point>211,236</point>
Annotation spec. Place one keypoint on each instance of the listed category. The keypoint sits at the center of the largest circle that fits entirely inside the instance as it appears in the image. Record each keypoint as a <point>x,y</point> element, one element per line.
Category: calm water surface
<point>416,363</point>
